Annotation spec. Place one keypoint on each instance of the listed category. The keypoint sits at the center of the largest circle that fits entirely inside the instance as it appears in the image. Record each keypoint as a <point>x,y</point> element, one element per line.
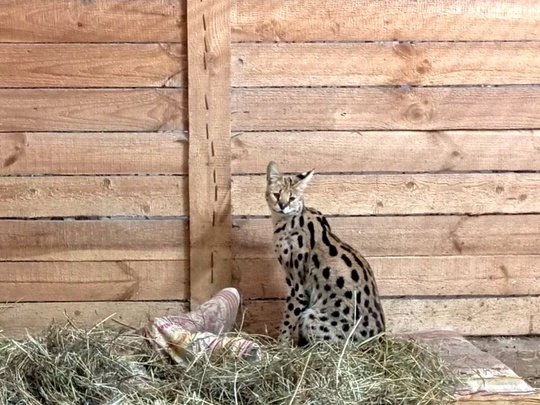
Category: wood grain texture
<point>488,193</point>
<point>92,21</point>
<point>410,236</point>
<point>92,110</point>
<point>412,276</point>
<point>93,65</point>
<point>466,316</point>
<point>209,53</point>
<point>365,20</point>
<point>431,108</point>
<point>94,281</point>
<point>17,319</point>
<point>387,151</point>
<point>73,196</point>
<point>105,240</point>
<point>479,399</point>
<point>93,153</point>
<point>385,63</point>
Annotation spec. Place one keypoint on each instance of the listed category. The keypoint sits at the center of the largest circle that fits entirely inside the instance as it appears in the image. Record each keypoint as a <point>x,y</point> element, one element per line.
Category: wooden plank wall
<point>422,120</point>
<point>93,161</point>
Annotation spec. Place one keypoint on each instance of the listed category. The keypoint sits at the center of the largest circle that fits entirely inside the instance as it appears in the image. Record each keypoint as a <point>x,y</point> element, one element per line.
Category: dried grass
<point>105,365</point>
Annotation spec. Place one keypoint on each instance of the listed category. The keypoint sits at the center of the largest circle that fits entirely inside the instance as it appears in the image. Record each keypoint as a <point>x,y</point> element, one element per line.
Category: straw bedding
<point>66,365</point>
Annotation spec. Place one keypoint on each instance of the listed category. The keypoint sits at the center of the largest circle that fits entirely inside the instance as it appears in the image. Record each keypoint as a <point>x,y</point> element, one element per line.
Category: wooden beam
<point>24,153</point>
<point>92,110</point>
<point>92,21</point>
<point>384,20</point>
<point>374,64</point>
<point>94,281</point>
<point>93,65</point>
<point>467,316</point>
<point>18,319</point>
<point>399,194</point>
<point>99,240</point>
<point>385,108</point>
<point>209,68</point>
<point>74,196</point>
<point>387,151</point>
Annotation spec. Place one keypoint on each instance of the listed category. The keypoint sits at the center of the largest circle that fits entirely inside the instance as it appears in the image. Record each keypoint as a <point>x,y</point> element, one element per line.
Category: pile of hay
<point>67,365</point>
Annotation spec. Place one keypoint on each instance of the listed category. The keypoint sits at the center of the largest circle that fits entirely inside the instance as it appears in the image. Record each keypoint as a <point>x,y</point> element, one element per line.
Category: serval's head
<point>285,193</point>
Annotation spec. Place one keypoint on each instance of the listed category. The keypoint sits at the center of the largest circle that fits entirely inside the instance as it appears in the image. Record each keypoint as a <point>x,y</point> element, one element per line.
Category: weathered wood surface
<point>209,47</point>
<point>94,281</point>
<point>93,153</point>
<point>466,316</point>
<point>409,236</point>
<point>522,354</point>
<point>71,196</point>
<point>387,151</point>
<point>478,371</point>
<point>92,21</point>
<point>508,193</point>
<point>93,65</point>
<point>17,319</point>
<point>412,276</point>
<point>105,240</point>
<point>365,20</point>
<point>386,63</point>
<point>92,110</point>
<point>373,108</point>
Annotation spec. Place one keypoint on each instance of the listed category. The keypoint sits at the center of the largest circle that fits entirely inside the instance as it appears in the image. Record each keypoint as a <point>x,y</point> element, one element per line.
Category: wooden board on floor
<point>209,50</point>
<point>92,110</point>
<point>398,194</point>
<point>466,316</point>
<point>104,240</point>
<point>478,371</point>
<point>94,281</point>
<point>92,21</point>
<point>409,236</point>
<point>27,153</point>
<point>363,64</point>
<point>412,276</point>
<point>388,20</point>
<point>386,151</point>
<point>375,108</point>
<point>17,319</point>
<point>522,354</point>
<point>93,65</point>
<point>72,196</point>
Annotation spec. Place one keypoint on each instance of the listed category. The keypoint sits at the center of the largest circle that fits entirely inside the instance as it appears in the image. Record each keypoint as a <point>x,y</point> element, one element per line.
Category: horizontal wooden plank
<point>17,319</point>
<point>387,151</point>
<point>467,316</point>
<point>93,153</point>
<point>105,240</point>
<point>94,281</point>
<point>365,20</point>
<point>72,196</point>
<point>93,65</point>
<point>92,21</point>
<point>387,194</point>
<point>413,276</point>
<point>385,63</point>
<point>409,236</point>
<point>424,108</point>
<point>92,110</point>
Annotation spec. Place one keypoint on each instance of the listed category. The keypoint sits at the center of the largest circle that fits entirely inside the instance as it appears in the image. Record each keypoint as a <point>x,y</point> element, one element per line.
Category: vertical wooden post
<point>209,43</point>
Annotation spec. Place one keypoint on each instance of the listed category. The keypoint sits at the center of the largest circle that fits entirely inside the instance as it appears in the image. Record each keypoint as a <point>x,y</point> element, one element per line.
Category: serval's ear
<point>273,174</point>
<point>301,180</point>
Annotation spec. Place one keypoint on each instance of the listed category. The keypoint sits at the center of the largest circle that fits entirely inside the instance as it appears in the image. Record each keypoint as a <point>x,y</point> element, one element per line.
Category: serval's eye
<point>292,198</point>
<point>276,196</point>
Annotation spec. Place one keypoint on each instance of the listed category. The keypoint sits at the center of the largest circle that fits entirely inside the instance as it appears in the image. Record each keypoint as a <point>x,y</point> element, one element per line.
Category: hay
<point>67,365</point>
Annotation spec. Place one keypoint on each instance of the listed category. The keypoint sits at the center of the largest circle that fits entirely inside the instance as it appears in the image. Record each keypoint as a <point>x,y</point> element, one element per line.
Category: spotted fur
<point>332,290</point>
